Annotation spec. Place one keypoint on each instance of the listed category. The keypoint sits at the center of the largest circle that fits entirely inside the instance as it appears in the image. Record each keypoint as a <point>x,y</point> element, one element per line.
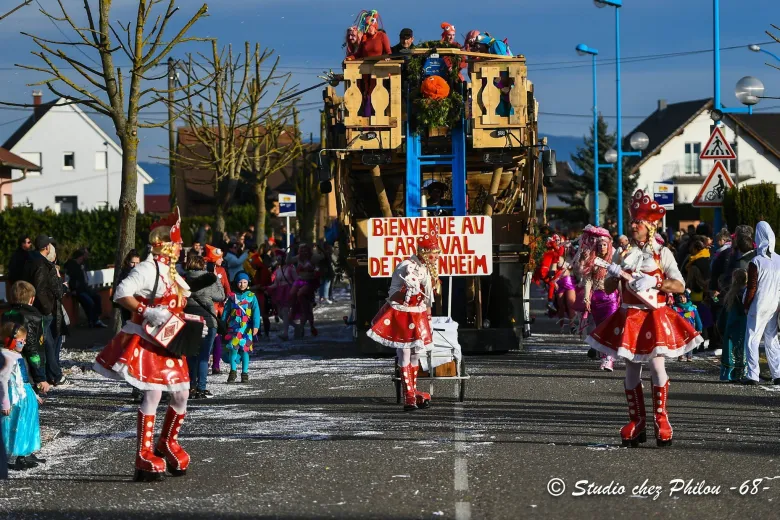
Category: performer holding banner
<point>644,329</point>
<point>149,352</point>
<point>403,322</point>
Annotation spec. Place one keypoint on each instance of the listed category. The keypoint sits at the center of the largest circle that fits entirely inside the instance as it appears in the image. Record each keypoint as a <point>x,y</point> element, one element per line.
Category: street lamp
<point>638,141</point>
<point>584,50</point>
<point>617,4</point>
<point>757,48</point>
<point>749,90</point>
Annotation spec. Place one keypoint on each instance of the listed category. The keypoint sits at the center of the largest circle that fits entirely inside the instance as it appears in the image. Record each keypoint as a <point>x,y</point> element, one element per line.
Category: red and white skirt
<point>402,328</point>
<point>129,357</point>
<point>639,334</point>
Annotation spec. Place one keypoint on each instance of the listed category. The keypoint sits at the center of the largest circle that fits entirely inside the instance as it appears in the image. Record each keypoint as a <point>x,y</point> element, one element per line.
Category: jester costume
<point>134,356</point>
<point>242,314</point>
<point>403,322</point>
<point>637,332</point>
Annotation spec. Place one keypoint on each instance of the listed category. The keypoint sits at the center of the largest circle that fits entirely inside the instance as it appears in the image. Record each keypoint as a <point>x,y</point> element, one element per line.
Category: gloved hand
<point>205,331</point>
<point>642,282</point>
<point>156,316</point>
<point>614,270</point>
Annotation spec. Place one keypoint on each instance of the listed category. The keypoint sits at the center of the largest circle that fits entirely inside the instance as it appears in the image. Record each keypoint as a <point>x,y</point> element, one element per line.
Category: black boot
<point>23,463</point>
<point>232,377</point>
<point>33,457</point>
<point>244,377</point>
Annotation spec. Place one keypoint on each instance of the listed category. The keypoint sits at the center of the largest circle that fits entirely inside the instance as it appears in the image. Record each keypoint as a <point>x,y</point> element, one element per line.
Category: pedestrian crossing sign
<point>717,147</point>
<point>713,190</point>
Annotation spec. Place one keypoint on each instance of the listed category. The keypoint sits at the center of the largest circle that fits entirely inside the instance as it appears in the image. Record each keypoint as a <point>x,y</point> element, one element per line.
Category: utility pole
<point>171,130</point>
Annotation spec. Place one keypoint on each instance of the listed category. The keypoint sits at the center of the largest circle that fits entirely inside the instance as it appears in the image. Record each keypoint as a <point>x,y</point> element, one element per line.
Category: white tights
<point>152,398</point>
<point>407,357</point>
<point>657,372</point>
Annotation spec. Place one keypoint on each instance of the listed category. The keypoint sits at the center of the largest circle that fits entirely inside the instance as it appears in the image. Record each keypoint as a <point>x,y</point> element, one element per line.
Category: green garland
<point>432,113</point>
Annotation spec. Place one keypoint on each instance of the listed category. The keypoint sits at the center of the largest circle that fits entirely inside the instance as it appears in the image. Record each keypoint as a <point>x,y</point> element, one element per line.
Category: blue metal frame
<point>415,160</point>
<point>582,48</point>
<point>775,56</point>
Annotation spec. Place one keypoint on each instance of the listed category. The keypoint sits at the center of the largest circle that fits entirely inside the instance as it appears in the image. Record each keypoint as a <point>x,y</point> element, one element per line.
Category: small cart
<point>446,350</point>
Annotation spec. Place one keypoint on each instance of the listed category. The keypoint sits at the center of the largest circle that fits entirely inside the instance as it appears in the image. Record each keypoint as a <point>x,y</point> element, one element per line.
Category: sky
<point>307,36</point>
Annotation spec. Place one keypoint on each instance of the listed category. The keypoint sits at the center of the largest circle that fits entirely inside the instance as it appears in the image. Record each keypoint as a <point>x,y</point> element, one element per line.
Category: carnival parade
<point>313,260</point>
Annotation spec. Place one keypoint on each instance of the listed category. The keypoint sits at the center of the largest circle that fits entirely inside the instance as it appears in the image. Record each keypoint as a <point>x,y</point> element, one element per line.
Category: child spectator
<point>242,315</point>
<point>22,312</point>
<point>732,325</point>
<point>685,308</point>
<point>21,431</point>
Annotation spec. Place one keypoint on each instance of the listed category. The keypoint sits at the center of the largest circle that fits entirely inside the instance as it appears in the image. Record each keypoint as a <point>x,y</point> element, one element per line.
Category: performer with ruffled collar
<point>403,322</point>
<point>135,357</point>
<point>639,333</point>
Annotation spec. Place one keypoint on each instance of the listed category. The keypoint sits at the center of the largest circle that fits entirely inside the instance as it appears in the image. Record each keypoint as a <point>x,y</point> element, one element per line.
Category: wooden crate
<point>449,369</point>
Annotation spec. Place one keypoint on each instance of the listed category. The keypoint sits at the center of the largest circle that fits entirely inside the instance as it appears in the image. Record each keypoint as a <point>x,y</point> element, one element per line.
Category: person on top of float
<point>638,332</point>
<point>136,357</point>
<point>403,322</point>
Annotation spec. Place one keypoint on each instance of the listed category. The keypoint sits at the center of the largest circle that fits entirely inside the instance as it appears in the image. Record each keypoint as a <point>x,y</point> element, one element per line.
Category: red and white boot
<point>168,445</point>
<point>407,380</point>
<point>663,430</point>
<point>148,466</point>
<point>634,432</point>
<point>423,399</point>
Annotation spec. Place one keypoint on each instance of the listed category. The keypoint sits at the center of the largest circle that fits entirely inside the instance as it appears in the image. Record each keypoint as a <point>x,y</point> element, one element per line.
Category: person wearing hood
<point>201,303</point>
<point>242,315</point>
<point>761,304</point>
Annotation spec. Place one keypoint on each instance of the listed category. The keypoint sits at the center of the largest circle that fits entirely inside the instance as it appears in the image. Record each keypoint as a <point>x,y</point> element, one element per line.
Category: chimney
<point>37,97</point>
<point>661,105</point>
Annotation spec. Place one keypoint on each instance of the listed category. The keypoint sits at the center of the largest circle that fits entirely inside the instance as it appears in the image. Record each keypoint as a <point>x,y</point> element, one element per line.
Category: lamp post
<point>617,4</point>
<point>584,50</point>
<point>757,48</point>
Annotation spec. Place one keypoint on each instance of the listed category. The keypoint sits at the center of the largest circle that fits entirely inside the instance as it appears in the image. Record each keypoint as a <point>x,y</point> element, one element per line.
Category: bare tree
<point>14,9</point>
<point>274,147</point>
<point>222,110</point>
<point>145,43</point>
<point>775,38</point>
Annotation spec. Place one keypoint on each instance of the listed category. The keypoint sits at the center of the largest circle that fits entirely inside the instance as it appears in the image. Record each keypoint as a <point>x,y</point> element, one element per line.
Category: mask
<point>17,344</point>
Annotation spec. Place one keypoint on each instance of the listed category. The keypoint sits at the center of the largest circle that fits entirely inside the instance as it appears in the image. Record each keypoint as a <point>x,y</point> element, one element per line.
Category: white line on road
<point>462,511</point>
<point>461,475</point>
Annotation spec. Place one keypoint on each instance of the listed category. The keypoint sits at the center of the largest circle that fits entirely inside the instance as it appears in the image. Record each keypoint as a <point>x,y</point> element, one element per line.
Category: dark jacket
<point>205,297</point>
<point>16,266</point>
<point>48,287</point>
<point>77,276</point>
<point>33,351</point>
<point>719,266</point>
<point>698,275</point>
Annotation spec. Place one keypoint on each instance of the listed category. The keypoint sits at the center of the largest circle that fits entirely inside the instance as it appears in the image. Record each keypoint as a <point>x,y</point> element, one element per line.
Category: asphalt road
<point>316,433</point>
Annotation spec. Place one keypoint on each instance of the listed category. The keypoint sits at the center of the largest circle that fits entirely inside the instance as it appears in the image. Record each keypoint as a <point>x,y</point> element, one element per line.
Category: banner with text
<point>466,244</point>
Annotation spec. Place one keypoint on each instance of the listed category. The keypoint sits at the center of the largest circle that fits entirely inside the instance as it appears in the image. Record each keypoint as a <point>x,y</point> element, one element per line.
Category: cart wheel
<point>397,384</point>
<point>462,394</point>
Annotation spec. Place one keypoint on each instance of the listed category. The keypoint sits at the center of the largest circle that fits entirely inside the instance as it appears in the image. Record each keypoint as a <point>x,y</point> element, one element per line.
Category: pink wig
<point>592,238</point>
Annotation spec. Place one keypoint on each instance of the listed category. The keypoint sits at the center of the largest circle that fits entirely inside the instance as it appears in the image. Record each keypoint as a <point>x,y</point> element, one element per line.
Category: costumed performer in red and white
<point>135,357</point>
<point>637,332</point>
<point>404,322</point>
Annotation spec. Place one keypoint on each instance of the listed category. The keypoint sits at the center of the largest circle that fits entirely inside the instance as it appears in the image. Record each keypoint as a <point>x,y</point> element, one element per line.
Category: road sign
<point>717,147</point>
<point>663,194</point>
<point>714,188</point>
<point>286,205</point>
<point>603,204</point>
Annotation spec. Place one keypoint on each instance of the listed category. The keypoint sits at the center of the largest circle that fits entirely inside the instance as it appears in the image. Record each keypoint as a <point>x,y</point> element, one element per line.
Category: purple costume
<point>603,305</point>
<point>565,283</point>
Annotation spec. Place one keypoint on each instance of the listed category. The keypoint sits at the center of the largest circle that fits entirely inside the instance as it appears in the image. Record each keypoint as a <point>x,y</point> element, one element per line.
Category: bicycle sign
<point>713,190</point>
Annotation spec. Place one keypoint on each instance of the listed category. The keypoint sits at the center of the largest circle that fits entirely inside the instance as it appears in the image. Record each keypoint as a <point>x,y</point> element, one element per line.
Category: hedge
<point>751,204</point>
<point>96,229</point>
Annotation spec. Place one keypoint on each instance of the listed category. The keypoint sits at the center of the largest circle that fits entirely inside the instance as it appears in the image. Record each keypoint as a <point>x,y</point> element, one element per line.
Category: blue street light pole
<point>617,4</point>
<point>757,48</point>
<point>583,50</point>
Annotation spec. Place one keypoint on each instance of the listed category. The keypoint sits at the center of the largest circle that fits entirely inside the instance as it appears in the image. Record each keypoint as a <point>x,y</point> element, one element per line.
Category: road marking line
<point>462,511</point>
<point>461,475</point>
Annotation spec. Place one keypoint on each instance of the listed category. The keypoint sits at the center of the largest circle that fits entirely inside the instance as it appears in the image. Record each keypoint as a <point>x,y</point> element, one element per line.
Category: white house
<point>679,131</point>
<point>80,164</point>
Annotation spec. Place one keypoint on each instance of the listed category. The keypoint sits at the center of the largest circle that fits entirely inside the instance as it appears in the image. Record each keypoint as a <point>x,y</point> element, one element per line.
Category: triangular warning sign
<point>717,147</point>
<point>714,188</point>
